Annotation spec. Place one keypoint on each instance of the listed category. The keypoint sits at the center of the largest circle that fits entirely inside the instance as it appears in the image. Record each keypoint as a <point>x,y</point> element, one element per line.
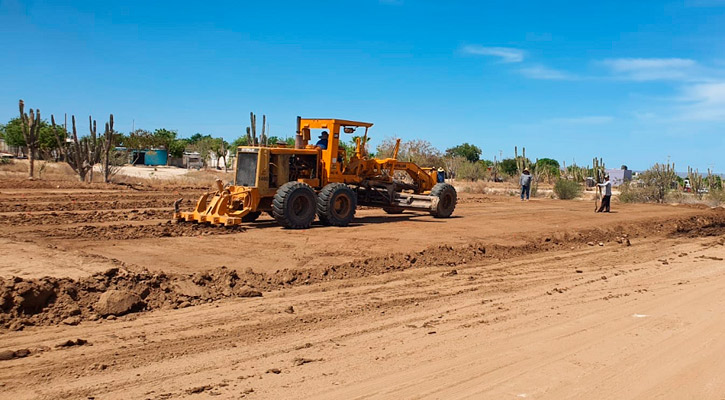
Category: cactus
<point>697,183</point>
<point>30,126</point>
<point>81,154</point>
<point>521,163</point>
<point>598,170</point>
<point>252,131</point>
<point>253,120</point>
<point>107,141</point>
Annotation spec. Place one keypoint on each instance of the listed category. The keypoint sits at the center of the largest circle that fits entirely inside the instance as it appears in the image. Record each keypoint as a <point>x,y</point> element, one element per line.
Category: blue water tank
<point>156,157</point>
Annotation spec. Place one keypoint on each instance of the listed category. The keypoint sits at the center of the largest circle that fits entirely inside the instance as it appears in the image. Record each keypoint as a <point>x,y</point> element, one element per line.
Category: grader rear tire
<point>293,205</point>
<point>447,199</point>
<point>336,204</point>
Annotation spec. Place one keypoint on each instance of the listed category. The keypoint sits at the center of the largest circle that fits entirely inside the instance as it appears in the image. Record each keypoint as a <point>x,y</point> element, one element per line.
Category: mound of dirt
<point>60,218</point>
<point>115,292</point>
<point>129,231</point>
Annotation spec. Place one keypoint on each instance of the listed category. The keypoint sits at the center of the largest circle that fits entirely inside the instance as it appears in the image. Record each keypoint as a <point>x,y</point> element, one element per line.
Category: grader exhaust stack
<point>296,184</point>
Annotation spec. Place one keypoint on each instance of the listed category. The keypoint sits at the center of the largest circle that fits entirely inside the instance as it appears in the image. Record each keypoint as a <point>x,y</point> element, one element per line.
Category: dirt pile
<point>109,204</point>
<point>130,231</point>
<point>114,292</point>
<point>699,226</point>
<point>59,218</point>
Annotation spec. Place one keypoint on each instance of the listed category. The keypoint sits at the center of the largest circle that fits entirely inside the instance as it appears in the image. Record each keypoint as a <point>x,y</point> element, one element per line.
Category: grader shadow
<point>360,221</point>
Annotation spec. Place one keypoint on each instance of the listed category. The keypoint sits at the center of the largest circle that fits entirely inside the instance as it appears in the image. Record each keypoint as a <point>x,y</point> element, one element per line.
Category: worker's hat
<point>324,134</point>
<point>440,169</point>
<point>526,170</point>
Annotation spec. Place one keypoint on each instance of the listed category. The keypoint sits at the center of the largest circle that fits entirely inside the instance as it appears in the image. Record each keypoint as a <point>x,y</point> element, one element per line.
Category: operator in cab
<point>322,143</point>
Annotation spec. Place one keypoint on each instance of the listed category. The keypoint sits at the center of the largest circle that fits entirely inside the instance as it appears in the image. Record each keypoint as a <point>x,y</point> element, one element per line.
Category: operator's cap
<point>324,134</point>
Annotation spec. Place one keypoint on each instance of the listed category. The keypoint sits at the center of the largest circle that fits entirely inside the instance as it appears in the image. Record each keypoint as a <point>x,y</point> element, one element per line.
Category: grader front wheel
<point>447,199</point>
<point>294,205</point>
<point>336,205</point>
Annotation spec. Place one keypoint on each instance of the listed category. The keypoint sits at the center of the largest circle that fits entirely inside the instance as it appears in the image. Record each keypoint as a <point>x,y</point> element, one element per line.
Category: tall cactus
<point>252,131</point>
<point>30,125</point>
<point>598,170</point>
<point>107,141</point>
<point>521,163</point>
<point>697,183</point>
<point>81,154</point>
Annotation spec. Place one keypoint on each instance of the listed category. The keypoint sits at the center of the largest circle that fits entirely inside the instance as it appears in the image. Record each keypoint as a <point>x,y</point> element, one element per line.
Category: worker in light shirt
<point>606,188</point>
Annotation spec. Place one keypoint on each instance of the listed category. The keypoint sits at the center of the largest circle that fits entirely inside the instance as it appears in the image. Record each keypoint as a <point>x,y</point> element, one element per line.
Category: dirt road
<point>540,300</point>
<point>532,326</point>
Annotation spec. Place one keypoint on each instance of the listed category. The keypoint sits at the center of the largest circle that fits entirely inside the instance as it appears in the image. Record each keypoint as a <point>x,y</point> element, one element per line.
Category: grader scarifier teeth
<point>215,211</point>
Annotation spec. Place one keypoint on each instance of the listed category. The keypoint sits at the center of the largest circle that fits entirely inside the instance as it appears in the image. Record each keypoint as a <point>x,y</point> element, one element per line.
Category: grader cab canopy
<point>294,185</point>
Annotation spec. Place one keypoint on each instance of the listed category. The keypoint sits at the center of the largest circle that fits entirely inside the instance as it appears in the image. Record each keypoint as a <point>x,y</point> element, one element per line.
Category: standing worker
<point>441,175</point>
<point>606,188</point>
<point>525,182</point>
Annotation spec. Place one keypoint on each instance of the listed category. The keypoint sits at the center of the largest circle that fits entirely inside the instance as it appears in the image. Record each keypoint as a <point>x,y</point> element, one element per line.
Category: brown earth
<point>101,297</point>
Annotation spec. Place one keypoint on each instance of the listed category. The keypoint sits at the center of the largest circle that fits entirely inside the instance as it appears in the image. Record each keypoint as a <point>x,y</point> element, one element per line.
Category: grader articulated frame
<point>295,184</point>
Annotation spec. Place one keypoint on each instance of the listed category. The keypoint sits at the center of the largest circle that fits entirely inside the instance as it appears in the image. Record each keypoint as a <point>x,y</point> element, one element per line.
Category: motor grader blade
<point>214,208</point>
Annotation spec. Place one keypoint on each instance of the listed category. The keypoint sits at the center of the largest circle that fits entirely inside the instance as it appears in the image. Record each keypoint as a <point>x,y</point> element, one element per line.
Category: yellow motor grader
<point>295,184</point>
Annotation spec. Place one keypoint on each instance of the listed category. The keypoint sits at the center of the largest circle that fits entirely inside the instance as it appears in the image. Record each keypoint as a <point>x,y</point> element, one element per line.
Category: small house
<point>149,157</point>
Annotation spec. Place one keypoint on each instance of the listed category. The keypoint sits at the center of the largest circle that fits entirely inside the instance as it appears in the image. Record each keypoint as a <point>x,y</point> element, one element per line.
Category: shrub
<point>716,197</point>
<point>471,171</point>
<point>5,160</point>
<point>630,193</point>
<point>566,189</point>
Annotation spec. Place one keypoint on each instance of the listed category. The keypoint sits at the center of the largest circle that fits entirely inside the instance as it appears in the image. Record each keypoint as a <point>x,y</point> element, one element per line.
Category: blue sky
<point>634,82</point>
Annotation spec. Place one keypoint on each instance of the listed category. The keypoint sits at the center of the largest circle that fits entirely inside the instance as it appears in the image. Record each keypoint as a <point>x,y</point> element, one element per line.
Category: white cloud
<point>705,102</point>
<point>507,54</point>
<point>649,69</point>
<point>543,72</point>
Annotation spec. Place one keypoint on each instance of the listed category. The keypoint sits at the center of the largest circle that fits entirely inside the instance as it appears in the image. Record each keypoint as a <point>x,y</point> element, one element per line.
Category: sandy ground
<point>541,300</point>
<point>158,172</point>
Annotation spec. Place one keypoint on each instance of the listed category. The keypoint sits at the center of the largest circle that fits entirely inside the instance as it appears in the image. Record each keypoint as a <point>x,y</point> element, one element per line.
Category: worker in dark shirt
<point>322,143</point>
<point>441,175</point>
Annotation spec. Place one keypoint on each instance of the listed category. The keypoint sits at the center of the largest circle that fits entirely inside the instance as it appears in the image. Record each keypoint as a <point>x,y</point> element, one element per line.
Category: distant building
<point>193,160</point>
<point>149,157</point>
<point>619,176</point>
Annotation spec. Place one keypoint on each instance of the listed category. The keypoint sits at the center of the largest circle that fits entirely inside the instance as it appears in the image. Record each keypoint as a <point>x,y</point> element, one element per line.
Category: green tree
<point>13,135</point>
<point>163,138</point>
<point>177,147</point>
<point>195,138</point>
<point>468,151</point>
<point>548,168</point>
<point>508,166</point>
<point>205,146</point>
<point>139,139</point>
